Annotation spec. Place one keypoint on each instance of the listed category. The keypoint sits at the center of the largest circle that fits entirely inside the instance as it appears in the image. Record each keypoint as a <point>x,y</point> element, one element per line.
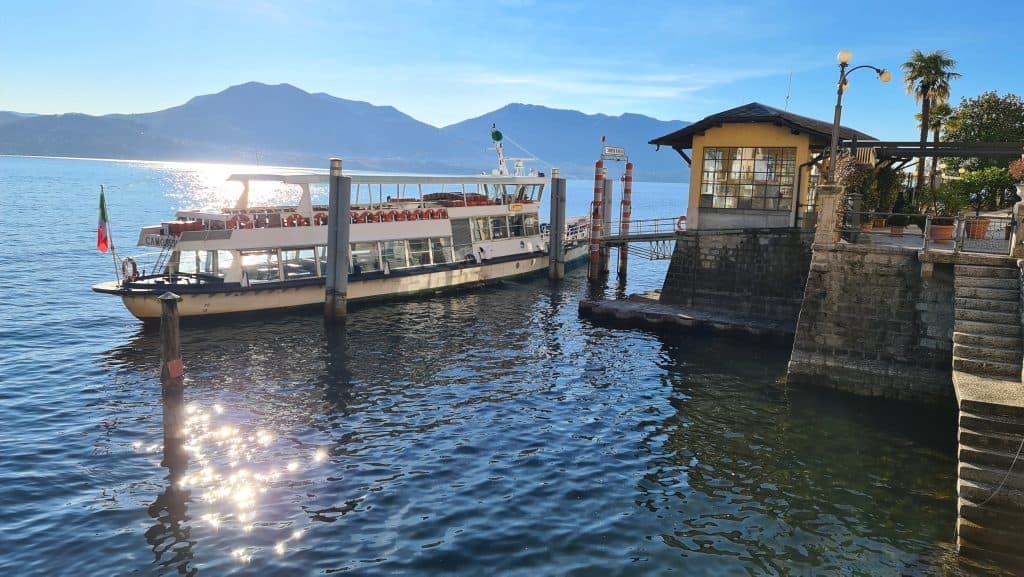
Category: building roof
<point>755,112</point>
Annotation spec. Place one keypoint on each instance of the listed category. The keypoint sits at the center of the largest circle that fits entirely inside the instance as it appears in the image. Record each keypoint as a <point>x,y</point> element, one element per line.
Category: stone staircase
<point>987,361</point>
<point>987,325</point>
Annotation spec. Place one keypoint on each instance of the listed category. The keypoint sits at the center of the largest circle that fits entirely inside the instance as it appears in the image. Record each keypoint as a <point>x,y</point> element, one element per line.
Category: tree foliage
<point>986,118</point>
<point>927,77</point>
<point>986,188</point>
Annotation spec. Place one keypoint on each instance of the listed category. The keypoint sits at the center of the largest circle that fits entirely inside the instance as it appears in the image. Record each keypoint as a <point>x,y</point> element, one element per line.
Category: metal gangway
<point>652,238</point>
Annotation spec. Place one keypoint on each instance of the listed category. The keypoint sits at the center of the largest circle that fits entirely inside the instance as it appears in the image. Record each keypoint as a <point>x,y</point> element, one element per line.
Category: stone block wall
<point>752,272</point>
<point>871,324</point>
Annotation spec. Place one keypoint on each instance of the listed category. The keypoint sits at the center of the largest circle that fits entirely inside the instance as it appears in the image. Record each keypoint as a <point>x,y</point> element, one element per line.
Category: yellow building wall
<point>744,134</point>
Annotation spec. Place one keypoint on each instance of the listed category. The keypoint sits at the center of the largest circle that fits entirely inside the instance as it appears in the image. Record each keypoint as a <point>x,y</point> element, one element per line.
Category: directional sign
<point>613,153</point>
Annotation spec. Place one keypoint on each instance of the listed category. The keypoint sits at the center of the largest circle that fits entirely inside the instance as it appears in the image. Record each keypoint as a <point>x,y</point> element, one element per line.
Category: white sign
<point>613,153</point>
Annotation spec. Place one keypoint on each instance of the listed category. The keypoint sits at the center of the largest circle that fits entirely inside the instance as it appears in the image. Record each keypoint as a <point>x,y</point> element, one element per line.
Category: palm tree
<point>940,116</point>
<point>927,77</point>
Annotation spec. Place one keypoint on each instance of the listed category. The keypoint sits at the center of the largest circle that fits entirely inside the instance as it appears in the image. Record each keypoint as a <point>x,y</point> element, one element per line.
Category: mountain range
<point>284,125</point>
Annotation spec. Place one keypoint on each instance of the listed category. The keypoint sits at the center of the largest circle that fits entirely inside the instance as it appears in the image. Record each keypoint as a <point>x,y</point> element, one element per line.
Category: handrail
<point>647,227</point>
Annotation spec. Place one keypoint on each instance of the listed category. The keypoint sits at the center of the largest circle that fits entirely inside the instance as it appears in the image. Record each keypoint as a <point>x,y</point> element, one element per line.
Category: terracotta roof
<point>755,112</point>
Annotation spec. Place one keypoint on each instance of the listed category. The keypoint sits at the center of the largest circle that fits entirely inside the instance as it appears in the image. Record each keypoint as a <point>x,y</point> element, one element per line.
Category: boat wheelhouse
<point>409,234</point>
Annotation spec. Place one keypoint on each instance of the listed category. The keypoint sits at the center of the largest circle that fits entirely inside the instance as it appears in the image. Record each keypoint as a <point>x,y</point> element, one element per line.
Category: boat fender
<point>320,218</point>
<point>681,223</point>
<point>128,264</point>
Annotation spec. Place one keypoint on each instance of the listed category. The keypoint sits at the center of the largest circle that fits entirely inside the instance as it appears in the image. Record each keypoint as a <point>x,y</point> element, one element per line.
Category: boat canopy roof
<point>307,178</point>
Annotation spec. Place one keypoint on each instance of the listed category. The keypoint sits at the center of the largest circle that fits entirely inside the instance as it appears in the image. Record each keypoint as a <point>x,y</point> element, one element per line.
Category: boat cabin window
<point>261,266</point>
<point>419,252</point>
<point>394,253</point>
<point>480,228</point>
<point>321,257</point>
<point>210,262</point>
<point>365,257</point>
<point>441,250</point>
<point>499,227</point>
<point>298,263</point>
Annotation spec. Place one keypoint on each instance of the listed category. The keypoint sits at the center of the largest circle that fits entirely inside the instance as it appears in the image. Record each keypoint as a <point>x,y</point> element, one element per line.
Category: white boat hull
<point>146,306</point>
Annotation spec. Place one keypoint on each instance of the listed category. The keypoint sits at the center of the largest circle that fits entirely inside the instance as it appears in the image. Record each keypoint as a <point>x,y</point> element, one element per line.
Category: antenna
<point>789,90</point>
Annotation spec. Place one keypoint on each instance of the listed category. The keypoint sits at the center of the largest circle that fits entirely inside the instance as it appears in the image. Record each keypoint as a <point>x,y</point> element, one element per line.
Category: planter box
<point>941,233</point>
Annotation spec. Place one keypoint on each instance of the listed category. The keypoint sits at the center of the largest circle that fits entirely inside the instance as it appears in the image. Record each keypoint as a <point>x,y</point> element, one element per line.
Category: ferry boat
<point>409,235</point>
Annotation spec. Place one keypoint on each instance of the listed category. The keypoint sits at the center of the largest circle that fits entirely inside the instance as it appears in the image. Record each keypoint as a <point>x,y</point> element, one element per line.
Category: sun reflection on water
<point>230,469</point>
<point>206,186</point>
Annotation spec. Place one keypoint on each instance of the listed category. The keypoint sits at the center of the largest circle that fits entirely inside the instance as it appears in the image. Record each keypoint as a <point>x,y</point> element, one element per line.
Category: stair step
<point>1011,500</point>
<point>987,317</point>
<point>993,459</point>
<point>996,442</point>
<point>983,328</point>
<point>987,354</point>
<point>988,282</point>
<point>986,293</point>
<point>1012,306</point>
<point>990,516</point>
<point>980,423</point>
<point>987,271</point>
<point>982,340</point>
<point>995,540</point>
<point>995,368</point>
<point>991,477</point>
<point>969,550</point>
<point>998,410</point>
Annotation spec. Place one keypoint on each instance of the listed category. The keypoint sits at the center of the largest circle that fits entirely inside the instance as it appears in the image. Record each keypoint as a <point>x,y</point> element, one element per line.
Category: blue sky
<point>445,61</point>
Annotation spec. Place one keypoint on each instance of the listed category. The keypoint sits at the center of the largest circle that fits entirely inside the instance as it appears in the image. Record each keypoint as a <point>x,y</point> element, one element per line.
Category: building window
<point>753,178</point>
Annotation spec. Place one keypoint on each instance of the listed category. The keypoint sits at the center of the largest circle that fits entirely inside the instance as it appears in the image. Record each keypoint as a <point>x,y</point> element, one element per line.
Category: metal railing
<point>648,227</point>
<point>964,233</point>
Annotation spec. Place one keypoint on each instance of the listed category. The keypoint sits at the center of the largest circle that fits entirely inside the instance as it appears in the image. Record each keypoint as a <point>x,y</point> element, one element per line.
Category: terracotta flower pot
<point>977,228</point>
<point>941,233</point>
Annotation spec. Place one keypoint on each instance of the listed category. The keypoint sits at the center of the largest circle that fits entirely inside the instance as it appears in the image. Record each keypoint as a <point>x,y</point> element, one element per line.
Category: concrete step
<point>971,292</point>
<point>987,317</point>
<point>993,341</point>
<point>1010,500</point>
<point>985,458</point>
<point>997,410</point>
<point>990,424</point>
<point>987,354</point>
<point>982,328</point>
<point>991,539</point>
<point>993,368</point>
<point>995,442</point>
<point>992,476</point>
<point>987,271</point>
<point>988,282</point>
<point>977,552</point>
<point>990,517</point>
<point>987,305</point>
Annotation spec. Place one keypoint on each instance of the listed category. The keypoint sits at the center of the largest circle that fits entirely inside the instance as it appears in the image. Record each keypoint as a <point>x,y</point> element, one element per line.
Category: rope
<point>1007,476</point>
<point>523,148</point>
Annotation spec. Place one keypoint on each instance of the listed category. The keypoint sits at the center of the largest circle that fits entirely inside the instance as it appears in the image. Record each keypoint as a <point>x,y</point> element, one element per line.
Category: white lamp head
<point>844,56</point>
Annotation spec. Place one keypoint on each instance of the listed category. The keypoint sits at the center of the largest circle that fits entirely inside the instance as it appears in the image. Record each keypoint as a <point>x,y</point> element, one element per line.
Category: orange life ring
<point>240,221</point>
<point>361,216</point>
<point>126,264</point>
<point>413,215</point>
<point>441,213</point>
<point>296,220</point>
<point>681,223</point>
<point>388,215</point>
<point>401,216</point>
<point>320,218</point>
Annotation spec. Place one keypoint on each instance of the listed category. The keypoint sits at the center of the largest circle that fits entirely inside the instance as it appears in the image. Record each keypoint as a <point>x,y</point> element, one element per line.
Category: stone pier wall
<point>872,324</point>
<point>758,273</point>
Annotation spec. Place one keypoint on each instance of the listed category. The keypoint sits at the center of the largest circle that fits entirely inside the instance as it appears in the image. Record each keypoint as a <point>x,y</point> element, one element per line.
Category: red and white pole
<point>625,214</point>
<point>596,216</point>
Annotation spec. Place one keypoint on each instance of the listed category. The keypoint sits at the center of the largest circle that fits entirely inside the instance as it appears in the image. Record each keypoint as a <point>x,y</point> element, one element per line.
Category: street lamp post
<point>843,58</point>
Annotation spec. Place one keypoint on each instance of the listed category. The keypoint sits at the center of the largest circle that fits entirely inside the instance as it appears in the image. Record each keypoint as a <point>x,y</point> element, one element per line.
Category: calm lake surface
<point>487,432</point>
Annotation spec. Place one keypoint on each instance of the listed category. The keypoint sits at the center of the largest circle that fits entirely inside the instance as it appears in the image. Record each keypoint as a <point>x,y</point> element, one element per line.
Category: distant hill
<point>571,140</point>
<point>282,124</point>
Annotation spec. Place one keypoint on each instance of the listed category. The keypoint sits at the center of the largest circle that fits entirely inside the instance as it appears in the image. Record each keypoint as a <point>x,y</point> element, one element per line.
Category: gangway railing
<point>666,227</point>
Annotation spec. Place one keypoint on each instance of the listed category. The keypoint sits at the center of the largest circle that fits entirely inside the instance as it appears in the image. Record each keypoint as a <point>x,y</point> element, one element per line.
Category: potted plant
<point>897,223</point>
<point>951,198</point>
<point>1017,174</point>
<point>983,187</point>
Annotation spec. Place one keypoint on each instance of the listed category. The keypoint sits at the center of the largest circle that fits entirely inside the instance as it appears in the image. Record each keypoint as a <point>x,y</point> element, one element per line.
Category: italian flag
<point>102,229</point>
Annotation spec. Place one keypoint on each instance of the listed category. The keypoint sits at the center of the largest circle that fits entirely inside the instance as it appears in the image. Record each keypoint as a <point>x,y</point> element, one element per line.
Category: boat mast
<point>496,137</point>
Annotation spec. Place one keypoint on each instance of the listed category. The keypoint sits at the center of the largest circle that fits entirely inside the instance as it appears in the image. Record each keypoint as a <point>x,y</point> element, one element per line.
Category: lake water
<point>488,432</point>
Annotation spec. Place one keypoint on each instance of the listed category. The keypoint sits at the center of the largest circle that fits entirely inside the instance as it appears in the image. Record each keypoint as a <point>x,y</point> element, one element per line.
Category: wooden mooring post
<point>556,234</point>
<point>606,220</point>
<point>172,380</point>
<point>595,222</point>
<point>339,222</point>
<point>625,215</point>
